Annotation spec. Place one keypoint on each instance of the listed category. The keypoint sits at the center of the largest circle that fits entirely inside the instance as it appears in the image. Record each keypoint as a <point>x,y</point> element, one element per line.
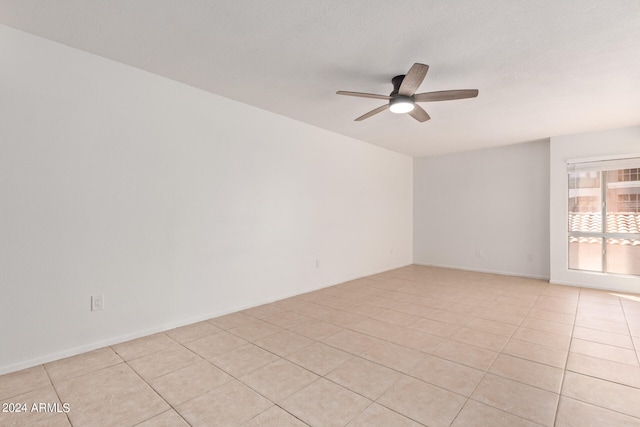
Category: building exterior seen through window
<point>604,220</point>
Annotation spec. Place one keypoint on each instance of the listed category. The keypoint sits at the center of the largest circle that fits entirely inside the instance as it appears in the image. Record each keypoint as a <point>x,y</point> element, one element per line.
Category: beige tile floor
<point>409,347</point>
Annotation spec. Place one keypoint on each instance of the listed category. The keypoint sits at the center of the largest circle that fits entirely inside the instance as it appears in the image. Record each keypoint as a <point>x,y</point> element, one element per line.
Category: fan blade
<point>413,79</point>
<point>445,95</point>
<point>363,95</point>
<point>419,114</point>
<point>372,112</point>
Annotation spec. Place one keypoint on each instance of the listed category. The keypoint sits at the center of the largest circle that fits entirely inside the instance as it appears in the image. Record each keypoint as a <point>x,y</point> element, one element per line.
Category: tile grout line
<point>387,367</point>
<point>223,370</point>
<point>238,379</point>
<point>151,387</point>
<point>484,374</point>
<point>566,362</point>
<point>55,389</point>
<point>633,342</point>
<point>203,359</point>
<point>494,361</point>
<point>568,351</point>
<point>498,353</point>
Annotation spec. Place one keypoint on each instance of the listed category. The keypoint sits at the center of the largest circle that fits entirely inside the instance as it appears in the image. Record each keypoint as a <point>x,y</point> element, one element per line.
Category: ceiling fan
<point>404,97</point>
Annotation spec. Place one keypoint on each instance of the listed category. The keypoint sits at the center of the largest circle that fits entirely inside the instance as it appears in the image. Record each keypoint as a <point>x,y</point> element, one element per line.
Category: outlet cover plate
<point>97,302</point>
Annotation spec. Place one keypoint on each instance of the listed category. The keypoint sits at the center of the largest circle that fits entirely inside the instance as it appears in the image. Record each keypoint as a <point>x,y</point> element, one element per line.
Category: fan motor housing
<point>396,81</point>
<point>400,103</point>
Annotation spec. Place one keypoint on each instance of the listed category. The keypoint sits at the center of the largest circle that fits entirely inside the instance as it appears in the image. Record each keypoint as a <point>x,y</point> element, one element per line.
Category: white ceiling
<point>543,68</point>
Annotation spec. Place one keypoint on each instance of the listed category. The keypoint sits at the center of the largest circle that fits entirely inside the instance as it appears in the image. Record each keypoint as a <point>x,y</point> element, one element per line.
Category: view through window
<point>604,216</point>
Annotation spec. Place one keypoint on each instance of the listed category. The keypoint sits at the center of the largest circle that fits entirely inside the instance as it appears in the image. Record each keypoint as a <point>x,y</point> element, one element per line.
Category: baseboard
<point>623,290</point>
<point>51,357</point>
<point>479,270</point>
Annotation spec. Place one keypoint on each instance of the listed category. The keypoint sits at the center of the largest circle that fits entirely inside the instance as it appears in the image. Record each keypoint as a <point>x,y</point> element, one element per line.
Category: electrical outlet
<point>317,263</point>
<point>478,253</point>
<point>97,302</point>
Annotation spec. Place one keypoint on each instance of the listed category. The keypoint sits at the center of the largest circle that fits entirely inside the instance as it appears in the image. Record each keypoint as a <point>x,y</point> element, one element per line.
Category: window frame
<point>601,166</point>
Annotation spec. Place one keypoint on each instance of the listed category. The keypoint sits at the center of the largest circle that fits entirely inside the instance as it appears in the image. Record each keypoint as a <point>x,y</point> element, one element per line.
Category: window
<point>629,174</point>
<point>604,216</point>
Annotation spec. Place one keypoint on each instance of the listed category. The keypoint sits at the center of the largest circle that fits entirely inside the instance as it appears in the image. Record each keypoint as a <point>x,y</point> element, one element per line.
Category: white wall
<point>484,210</point>
<point>176,204</point>
<point>563,148</point>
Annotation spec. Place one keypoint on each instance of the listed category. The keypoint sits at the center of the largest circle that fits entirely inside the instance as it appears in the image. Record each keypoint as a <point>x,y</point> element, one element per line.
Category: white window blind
<point>586,165</point>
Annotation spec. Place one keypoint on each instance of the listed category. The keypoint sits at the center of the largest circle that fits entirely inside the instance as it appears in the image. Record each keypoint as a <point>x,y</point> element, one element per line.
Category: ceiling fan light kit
<point>403,98</point>
<point>401,104</point>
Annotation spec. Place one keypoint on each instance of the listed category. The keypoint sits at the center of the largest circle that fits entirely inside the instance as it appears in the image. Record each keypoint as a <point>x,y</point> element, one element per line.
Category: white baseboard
<point>51,357</point>
<point>618,289</point>
<point>479,270</point>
